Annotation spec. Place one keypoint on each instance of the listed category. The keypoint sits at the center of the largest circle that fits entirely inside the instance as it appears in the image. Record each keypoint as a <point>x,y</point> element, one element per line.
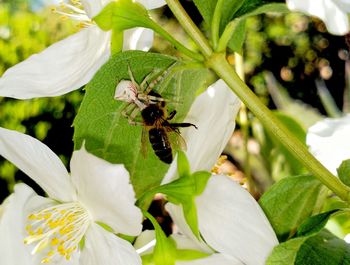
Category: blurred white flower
<point>334,13</point>
<point>71,63</point>
<point>95,191</point>
<point>329,141</point>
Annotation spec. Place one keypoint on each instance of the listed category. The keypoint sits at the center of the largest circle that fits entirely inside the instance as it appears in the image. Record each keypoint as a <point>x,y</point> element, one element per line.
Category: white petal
<point>145,242</point>
<point>93,7</point>
<point>151,4</point>
<point>183,242</point>
<point>12,249</point>
<point>332,12</point>
<point>105,189</point>
<point>178,218</point>
<point>138,39</point>
<point>231,222</point>
<point>63,67</point>
<point>102,247</point>
<point>214,259</point>
<point>329,141</point>
<point>38,162</point>
<point>214,113</point>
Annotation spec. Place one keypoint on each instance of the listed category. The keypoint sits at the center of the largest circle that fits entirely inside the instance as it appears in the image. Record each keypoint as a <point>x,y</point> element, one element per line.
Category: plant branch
<point>177,44</point>
<point>189,26</point>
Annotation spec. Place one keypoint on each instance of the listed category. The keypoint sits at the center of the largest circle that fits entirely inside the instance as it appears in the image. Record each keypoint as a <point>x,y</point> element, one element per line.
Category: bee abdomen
<point>160,144</point>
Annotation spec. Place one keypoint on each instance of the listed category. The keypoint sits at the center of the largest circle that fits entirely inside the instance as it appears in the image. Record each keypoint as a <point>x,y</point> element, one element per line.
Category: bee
<point>156,122</point>
<point>162,134</point>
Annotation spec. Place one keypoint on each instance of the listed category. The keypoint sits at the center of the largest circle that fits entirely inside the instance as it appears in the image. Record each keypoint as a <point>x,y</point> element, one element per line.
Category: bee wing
<point>177,141</point>
<point>144,142</point>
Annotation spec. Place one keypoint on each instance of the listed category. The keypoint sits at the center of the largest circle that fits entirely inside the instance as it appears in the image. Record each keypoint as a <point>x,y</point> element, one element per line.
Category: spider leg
<point>127,110</point>
<point>132,117</point>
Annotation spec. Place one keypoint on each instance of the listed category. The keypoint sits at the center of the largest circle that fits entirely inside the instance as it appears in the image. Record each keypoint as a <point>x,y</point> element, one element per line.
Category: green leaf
<point>108,135</point>
<point>289,202</point>
<point>190,254</point>
<point>164,252</point>
<point>200,179</point>
<point>206,8</point>
<point>321,249</point>
<point>237,9</point>
<point>324,249</point>
<point>285,253</point>
<point>314,224</point>
<point>238,36</point>
<point>183,166</point>
<point>123,14</point>
<point>344,172</point>
<point>190,213</point>
<point>239,18</point>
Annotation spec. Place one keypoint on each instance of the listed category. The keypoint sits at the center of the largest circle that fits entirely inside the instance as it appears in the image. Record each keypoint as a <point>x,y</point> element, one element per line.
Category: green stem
<point>215,23</point>
<point>225,71</point>
<point>189,26</point>
<point>157,28</point>
<point>226,36</point>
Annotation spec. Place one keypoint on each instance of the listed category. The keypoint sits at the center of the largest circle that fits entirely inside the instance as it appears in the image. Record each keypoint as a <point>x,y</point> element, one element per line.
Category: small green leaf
<point>289,202</point>
<point>190,254</point>
<point>122,14</point>
<point>323,249</point>
<point>314,224</point>
<point>238,36</point>
<point>190,213</point>
<point>344,172</point>
<point>165,249</point>
<point>200,179</point>
<point>286,252</point>
<point>183,166</point>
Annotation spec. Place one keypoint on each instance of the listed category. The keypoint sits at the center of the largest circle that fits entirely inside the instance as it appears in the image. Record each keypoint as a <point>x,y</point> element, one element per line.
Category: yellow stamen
<point>59,229</point>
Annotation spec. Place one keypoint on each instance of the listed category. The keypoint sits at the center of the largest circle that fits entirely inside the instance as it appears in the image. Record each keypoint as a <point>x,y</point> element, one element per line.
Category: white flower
<point>334,13</point>
<point>95,191</point>
<point>329,141</point>
<point>71,63</point>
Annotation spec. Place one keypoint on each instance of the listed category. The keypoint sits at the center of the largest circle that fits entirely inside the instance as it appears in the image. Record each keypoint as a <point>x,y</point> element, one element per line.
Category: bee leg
<point>183,124</point>
<point>171,115</point>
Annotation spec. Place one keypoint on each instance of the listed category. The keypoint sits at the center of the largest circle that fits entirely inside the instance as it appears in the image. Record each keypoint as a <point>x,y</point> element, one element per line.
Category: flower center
<point>57,230</point>
<point>73,9</point>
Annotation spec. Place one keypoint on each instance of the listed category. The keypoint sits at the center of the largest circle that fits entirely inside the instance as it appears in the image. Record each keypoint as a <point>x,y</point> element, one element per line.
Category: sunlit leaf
<point>107,133</point>
<point>289,202</point>
<point>314,223</point>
